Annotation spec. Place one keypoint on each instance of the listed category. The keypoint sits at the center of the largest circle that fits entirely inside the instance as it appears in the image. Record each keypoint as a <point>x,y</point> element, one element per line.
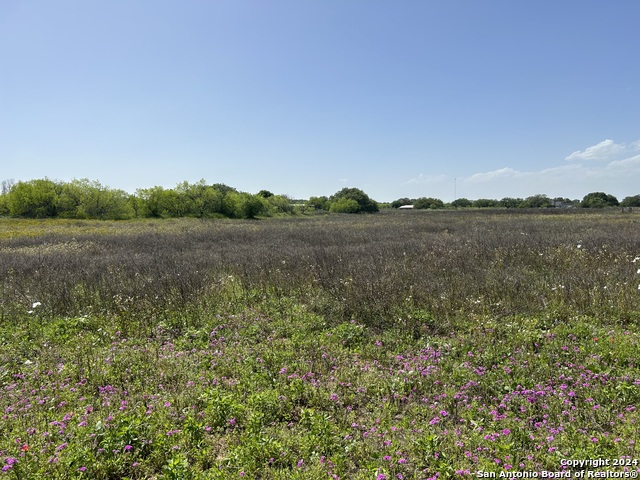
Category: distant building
<point>405,207</point>
<point>561,204</point>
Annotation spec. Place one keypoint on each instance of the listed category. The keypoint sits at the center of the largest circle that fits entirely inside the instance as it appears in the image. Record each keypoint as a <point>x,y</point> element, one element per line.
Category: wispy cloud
<point>619,168</point>
<point>606,167</point>
<point>428,179</point>
<point>506,172</point>
<point>512,174</point>
<point>606,150</point>
<point>616,170</point>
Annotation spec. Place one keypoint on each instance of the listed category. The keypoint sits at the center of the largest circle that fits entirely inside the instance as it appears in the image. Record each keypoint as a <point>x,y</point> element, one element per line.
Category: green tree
<point>485,203</point>
<point>428,202</point>
<point>599,200</point>
<point>231,205</point>
<point>224,189</point>
<point>509,202</point>
<point>461,203</point>
<point>175,203</point>
<point>402,202</point>
<point>94,199</point>
<point>365,204</point>
<point>33,199</point>
<point>152,202</point>
<point>200,199</point>
<point>188,202</point>
<point>536,201</point>
<point>89,199</point>
<point>251,206</point>
<point>210,203</point>
<point>70,200</point>
<point>319,203</point>
<point>344,205</point>
<point>631,201</point>
<point>278,204</point>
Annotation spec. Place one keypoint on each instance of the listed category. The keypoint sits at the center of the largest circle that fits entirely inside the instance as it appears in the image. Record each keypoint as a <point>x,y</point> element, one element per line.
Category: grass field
<point>408,345</point>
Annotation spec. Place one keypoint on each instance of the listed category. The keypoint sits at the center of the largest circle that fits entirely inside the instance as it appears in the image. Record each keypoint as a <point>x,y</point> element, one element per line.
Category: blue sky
<point>443,98</point>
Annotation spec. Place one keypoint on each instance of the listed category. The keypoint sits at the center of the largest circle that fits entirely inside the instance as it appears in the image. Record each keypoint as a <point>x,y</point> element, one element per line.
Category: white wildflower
<point>579,245</point>
<point>36,305</point>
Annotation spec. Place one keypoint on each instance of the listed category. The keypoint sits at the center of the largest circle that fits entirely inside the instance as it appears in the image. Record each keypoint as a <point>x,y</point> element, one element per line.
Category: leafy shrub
<point>343,201</point>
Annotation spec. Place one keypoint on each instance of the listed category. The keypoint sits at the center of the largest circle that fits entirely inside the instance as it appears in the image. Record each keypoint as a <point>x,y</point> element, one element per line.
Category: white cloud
<point>619,168</point>
<point>559,172</point>
<point>617,172</point>
<point>509,173</point>
<point>502,173</point>
<point>632,163</point>
<point>605,150</point>
<point>428,179</point>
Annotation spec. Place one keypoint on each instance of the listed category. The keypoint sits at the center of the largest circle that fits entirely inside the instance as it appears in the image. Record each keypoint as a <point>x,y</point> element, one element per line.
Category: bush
<point>428,202</point>
<point>485,203</point>
<point>33,199</point>
<point>251,206</point>
<point>536,201</point>
<point>461,202</point>
<point>344,205</point>
<point>631,201</point>
<point>319,203</point>
<point>364,203</point>
<point>599,200</point>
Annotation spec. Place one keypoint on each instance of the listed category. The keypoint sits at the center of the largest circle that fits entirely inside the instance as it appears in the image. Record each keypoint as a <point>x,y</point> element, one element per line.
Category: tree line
<point>84,199</point>
<point>87,199</point>
<point>591,200</point>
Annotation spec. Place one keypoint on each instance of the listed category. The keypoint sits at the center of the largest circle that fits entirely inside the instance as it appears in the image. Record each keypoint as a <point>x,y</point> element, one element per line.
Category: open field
<point>407,345</point>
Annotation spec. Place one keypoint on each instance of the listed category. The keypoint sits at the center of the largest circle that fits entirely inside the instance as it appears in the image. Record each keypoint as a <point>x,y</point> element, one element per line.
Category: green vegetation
<point>591,200</point>
<point>429,345</point>
<point>428,202</point>
<point>352,200</point>
<point>599,200</point>
<point>633,201</point>
<point>85,199</point>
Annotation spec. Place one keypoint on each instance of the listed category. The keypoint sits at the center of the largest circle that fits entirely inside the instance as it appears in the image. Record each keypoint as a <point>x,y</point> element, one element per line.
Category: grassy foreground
<point>407,345</point>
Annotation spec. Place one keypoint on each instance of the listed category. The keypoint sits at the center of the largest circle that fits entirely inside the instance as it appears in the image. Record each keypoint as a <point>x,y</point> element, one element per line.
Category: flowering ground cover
<point>407,345</point>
